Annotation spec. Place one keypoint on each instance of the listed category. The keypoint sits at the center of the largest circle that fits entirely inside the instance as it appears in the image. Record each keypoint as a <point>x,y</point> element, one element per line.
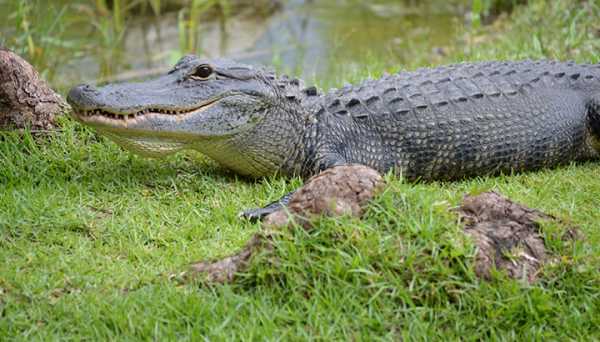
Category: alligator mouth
<point>107,117</point>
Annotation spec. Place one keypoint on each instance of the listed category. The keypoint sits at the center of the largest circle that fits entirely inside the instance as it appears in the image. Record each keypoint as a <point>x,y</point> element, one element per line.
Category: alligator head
<point>234,113</point>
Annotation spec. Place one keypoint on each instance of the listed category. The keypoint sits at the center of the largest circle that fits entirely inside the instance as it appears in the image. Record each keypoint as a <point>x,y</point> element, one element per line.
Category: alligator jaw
<point>100,117</point>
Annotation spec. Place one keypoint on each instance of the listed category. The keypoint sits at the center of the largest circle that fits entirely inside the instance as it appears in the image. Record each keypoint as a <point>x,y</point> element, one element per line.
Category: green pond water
<point>75,42</point>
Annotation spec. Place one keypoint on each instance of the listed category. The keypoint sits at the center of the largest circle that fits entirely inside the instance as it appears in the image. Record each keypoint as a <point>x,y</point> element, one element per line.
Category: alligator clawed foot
<point>256,214</point>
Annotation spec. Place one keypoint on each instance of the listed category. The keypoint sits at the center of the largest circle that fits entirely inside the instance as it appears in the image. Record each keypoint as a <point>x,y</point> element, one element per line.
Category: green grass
<point>89,234</point>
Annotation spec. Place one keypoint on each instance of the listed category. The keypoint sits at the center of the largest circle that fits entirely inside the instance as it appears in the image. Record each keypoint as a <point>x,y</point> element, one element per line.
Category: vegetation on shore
<point>89,235</point>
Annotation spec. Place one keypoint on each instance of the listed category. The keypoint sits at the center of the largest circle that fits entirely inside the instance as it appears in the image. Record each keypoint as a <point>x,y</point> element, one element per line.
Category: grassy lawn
<point>90,233</point>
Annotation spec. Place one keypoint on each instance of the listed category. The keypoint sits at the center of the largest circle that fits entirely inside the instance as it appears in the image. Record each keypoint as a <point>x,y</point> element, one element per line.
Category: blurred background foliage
<point>106,40</point>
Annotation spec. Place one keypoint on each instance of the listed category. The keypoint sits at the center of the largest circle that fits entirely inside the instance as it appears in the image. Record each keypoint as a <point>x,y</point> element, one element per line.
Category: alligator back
<point>463,120</point>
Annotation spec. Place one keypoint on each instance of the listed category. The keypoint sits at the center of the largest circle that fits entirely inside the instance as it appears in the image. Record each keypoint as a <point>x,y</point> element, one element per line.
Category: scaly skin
<point>443,123</point>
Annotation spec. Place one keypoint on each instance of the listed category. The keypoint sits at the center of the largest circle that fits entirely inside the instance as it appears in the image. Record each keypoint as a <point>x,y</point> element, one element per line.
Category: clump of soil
<point>26,100</point>
<point>224,270</point>
<point>341,190</point>
<point>507,235</point>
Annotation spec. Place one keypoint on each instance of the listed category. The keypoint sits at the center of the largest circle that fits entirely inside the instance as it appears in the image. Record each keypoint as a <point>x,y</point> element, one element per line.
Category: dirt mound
<point>507,235</point>
<point>26,100</point>
<point>341,190</point>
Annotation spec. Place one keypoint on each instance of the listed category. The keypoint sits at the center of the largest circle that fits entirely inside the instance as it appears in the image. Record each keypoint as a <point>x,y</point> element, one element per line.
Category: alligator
<point>443,123</point>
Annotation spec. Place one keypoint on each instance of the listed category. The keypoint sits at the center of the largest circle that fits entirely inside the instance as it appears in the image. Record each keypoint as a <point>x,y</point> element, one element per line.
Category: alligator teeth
<point>114,116</point>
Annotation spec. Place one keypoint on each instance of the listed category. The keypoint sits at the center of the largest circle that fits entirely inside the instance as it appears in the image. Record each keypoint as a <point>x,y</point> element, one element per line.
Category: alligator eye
<point>202,72</point>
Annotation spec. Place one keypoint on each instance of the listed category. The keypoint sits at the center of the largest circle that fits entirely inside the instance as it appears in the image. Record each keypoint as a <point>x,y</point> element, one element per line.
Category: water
<point>317,40</point>
<point>326,40</point>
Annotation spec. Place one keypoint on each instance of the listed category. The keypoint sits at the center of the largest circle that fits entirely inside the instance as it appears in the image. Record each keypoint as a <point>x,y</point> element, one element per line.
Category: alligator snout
<point>82,96</point>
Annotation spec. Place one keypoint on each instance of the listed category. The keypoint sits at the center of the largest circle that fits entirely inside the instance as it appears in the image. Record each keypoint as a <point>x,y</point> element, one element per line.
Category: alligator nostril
<point>89,89</point>
<point>82,94</point>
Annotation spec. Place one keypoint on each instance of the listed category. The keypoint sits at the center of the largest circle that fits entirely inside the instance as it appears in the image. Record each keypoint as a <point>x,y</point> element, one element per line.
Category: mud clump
<point>26,100</point>
<point>224,270</point>
<point>341,190</point>
<point>507,235</point>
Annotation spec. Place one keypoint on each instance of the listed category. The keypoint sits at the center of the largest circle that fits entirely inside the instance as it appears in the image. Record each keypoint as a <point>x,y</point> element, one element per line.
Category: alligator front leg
<point>341,190</point>
<point>327,161</point>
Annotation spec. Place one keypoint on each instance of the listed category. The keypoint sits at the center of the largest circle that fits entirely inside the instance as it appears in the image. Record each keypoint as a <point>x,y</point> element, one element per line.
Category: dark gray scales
<point>463,120</point>
<point>443,123</point>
